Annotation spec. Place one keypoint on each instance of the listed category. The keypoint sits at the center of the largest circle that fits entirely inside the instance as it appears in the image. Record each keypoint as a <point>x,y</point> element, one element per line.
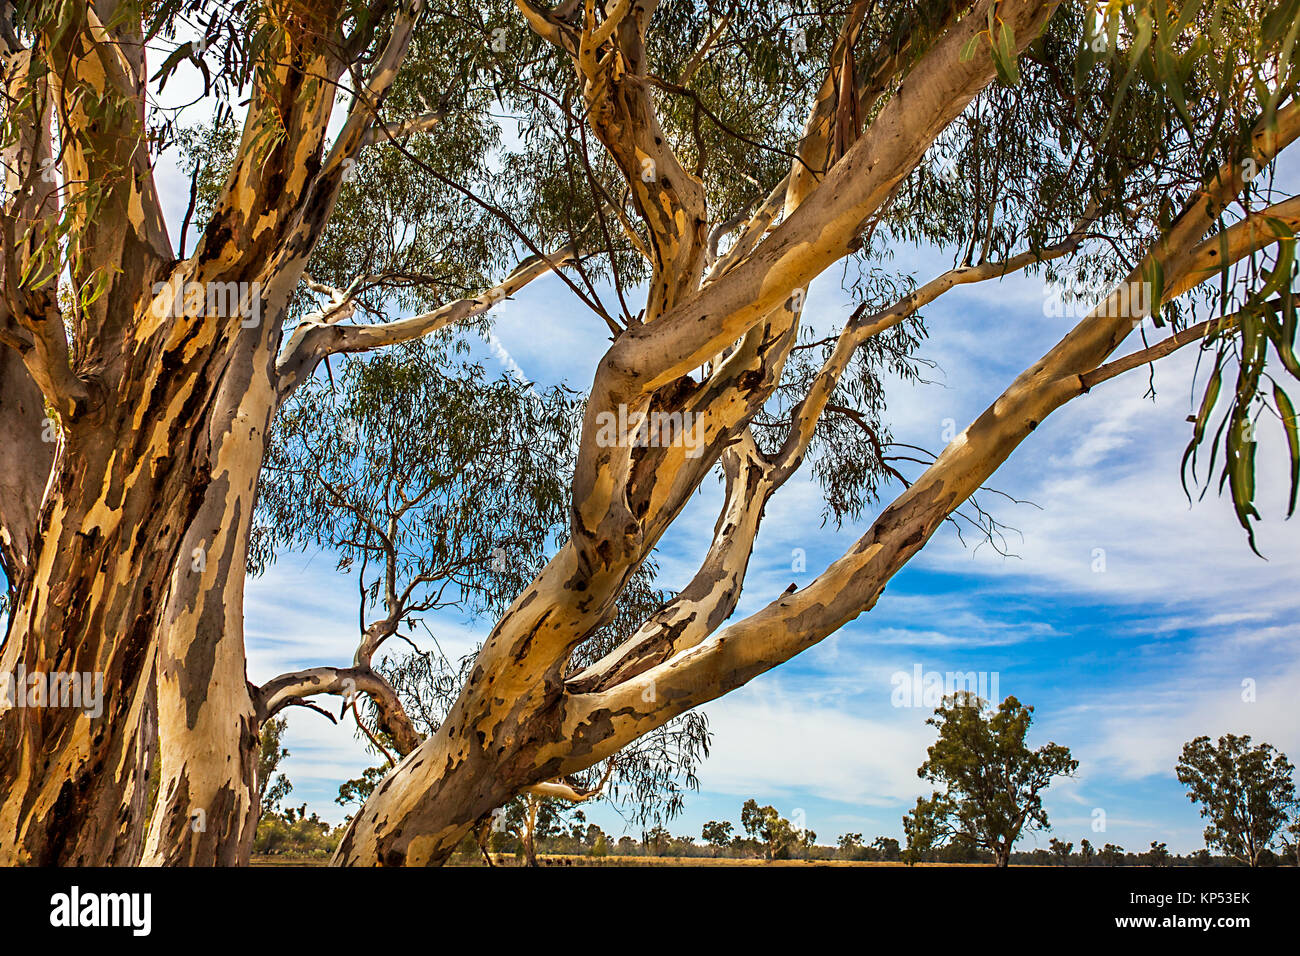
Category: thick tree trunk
<point>128,564</point>
<point>138,568</point>
<point>207,803</point>
<point>73,781</point>
<point>530,847</point>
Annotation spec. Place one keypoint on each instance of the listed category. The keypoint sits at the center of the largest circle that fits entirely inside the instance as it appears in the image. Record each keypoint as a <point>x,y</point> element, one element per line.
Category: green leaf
<point>165,12</point>
<point>1240,472</point>
<point>1287,411</point>
<point>169,65</point>
<point>1211,396</point>
<point>1005,56</point>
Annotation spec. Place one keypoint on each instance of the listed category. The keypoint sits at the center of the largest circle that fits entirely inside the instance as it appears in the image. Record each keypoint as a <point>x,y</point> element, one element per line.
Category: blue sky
<point>1122,665</point>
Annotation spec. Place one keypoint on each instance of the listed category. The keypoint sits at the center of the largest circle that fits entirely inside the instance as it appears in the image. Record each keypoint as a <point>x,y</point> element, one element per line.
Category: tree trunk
<point>74,783</point>
<point>207,804</point>
<point>138,570</point>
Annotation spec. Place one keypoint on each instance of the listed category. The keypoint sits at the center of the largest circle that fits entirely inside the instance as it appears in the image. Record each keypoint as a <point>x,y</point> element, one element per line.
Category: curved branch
<point>346,682</point>
<point>823,229</point>
<point>568,790</point>
<point>314,339</point>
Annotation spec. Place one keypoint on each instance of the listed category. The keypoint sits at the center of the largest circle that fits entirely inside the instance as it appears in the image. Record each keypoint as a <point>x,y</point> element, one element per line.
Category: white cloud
<point>769,741</point>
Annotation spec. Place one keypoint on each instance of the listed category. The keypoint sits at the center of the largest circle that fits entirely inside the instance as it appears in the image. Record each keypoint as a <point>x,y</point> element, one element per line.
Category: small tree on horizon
<point>1111,855</point>
<point>270,752</point>
<point>888,849</point>
<point>993,781</point>
<point>717,834</point>
<point>1247,793</point>
<point>1061,851</point>
<point>777,833</point>
<point>1086,852</point>
<point>1158,855</point>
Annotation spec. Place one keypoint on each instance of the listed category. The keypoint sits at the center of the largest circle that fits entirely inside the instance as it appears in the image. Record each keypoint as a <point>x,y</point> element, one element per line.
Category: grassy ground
<point>563,860</point>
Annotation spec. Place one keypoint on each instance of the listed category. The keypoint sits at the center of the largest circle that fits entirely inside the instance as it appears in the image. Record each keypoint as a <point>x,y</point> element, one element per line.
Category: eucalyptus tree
<point>686,169</point>
<point>1246,793</point>
<point>992,782</point>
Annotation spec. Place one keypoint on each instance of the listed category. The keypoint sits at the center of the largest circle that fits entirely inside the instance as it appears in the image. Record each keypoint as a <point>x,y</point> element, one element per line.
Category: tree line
<point>993,785</point>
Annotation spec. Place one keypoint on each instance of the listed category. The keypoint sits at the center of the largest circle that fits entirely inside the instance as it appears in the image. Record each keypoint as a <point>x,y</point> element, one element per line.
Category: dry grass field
<point>565,860</point>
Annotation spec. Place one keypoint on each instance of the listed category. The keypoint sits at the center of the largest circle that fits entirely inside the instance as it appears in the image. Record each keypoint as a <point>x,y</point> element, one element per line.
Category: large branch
<point>743,377</point>
<point>611,62</point>
<point>31,321</point>
<point>822,230</point>
<point>29,214</point>
<point>608,720</point>
<point>756,301</point>
<point>570,791</point>
<point>283,186</point>
<point>108,187</point>
<point>711,595</point>
<point>1260,228</point>
<point>316,338</point>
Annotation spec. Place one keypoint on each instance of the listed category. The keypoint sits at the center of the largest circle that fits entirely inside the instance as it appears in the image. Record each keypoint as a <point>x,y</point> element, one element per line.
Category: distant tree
<point>1061,851</point>
<point>1245,792</point>
<point>1111,855</point>
<point>1158,855</point>
<point>270,752</point>
<point>717,833</point>
<point>532,818</point>
<point>993,781</point>
<point>752,817</point>
<point>627,846</point>
<point>851,846</point>
<point>960,849</point>
<point>1086,852</point>
<point>680,845</point>
<point>888,849</point>
<point>656,840</point>
<point>358,789</point>
<point>1292,837</point>
<point>438,487</point>
<point>777,833</point>
<point>293,833</point>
